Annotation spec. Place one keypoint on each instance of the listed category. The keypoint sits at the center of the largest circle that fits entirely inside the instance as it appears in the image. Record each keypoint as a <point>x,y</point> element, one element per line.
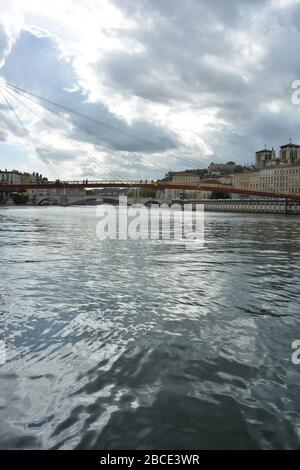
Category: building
<point>17,177</point>
<point>221,168</point>
<point>184,178</point>
<point>34,178</point>
<point>280,175</point>
<point>226,179</point>
<point>10,177</point>
<point>49,196</point>
<point>289,153</point>
<point>43,195</point>
<point>190,178</point>
<point>265,158</point>
<point>282,178</point>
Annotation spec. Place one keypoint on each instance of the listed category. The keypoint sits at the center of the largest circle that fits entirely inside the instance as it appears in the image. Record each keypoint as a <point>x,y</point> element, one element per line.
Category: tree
<point>148,192</point>
<point>20,199</point>
<point>238,169</point>
<point>219,195</point>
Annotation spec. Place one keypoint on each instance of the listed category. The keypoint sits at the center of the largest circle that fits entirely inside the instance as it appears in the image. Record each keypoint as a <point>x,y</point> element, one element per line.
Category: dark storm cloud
<point>182,37</point>
<point>190,53</point>
<point>120,141</point>
<point>173,63</point>
<point>188,12</point>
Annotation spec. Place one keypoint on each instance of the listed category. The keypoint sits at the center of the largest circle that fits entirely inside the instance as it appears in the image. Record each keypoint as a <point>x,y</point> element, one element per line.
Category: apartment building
<point>221,168</point>
<point>10,177</point>
<point>17,177</point>
<point>186,178</point>
<point>282,178</point>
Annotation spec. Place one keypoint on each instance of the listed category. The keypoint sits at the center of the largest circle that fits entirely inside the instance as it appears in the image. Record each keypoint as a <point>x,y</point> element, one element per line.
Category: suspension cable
<point>28,135</point>
<point>77,146</point>
<point>96,135</point>
<point>128,134</point>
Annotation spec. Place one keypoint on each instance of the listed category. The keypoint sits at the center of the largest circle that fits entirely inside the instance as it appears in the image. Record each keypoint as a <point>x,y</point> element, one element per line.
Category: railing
<point>202,186</point>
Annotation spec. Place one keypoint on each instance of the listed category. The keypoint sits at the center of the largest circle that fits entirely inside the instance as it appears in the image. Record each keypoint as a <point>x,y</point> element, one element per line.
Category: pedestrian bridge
<point>64,200</point>
<point>158,185</point>
<point>145,201</point>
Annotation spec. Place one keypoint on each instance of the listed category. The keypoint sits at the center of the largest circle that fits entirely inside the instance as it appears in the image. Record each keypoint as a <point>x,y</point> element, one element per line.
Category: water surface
<point>147,344</point>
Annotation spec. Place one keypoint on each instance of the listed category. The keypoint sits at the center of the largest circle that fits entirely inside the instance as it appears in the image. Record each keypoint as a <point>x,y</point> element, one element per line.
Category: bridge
<point>64,200</point>
<point>158,185</point>
<point>14,97</point>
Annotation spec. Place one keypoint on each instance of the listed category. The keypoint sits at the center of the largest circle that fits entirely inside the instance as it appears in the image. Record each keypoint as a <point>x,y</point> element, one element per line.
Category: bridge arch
<point>114,201</point>
<point>152,202</point>
<point>47,200</point>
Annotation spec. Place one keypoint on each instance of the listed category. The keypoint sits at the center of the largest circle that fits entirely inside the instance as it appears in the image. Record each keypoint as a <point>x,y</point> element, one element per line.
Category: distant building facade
<point>184,178</point>
<point>270,173</point>
<point>221,168</point>
<point>289,153</point>
<point>10,177</point>
<point>274,175</point>
<point>281,179</point>
<point>265,158</point>
<point>189,178</point>
<point>17,177</point>
<point>40,195</point>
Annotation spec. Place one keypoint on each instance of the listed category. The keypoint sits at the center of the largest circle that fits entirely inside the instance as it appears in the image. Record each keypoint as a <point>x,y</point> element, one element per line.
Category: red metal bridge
<point>14,97</point>
<point>203,186</point>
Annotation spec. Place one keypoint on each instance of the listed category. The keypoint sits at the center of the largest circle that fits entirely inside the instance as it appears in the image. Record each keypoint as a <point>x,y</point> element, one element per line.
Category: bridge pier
<point>204,186</point>
<point>4,197</point>
<point>286,206</point>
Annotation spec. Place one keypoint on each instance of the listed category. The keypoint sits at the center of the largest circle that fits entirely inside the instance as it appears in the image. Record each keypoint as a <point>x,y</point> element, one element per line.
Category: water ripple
<point>146,345</point>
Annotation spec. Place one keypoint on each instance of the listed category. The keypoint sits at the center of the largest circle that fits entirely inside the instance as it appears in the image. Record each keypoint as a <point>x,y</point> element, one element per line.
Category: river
<point>134,344</point>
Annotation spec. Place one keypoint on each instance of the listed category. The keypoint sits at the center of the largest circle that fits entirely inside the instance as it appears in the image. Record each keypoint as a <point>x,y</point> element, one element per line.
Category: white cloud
<point>206,77</point>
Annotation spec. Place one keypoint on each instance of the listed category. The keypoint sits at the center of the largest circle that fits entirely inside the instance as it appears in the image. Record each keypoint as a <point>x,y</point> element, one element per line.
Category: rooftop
<point>290,145</point>
<point>264,151</point>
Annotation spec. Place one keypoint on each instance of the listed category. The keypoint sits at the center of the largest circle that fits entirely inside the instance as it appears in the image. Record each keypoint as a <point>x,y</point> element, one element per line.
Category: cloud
<point>209,80</point>
<point>3,44</point>
<point>230,57</point>
<point>36,63</point>
<point>2,135</point>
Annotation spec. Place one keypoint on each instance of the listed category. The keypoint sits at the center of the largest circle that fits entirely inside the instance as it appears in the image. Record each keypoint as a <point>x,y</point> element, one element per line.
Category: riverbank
<point>252,206</point>
<point>218,205</point>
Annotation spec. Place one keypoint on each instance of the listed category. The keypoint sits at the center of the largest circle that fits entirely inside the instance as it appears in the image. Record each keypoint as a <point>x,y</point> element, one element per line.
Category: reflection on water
<point>146,344</point>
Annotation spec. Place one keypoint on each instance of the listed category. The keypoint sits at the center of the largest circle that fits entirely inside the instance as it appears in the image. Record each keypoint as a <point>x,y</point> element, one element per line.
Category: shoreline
<point>228,207</point>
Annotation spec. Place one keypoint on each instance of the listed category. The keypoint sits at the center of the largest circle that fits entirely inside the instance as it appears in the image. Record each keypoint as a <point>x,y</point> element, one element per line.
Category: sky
<point>192,81</point>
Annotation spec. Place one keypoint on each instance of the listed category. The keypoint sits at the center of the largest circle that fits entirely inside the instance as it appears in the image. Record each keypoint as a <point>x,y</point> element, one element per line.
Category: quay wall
<point>262,206</point>
<point>256,206</point>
